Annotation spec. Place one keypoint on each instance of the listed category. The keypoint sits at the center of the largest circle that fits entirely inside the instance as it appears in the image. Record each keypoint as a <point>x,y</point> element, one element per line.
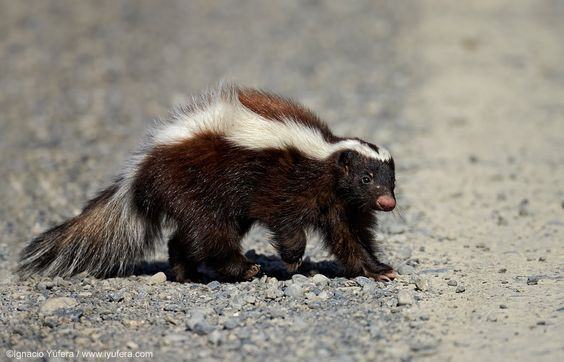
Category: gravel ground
<point>469,97</point>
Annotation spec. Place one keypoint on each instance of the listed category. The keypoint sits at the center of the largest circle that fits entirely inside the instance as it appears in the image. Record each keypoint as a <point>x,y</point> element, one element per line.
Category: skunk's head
<point>366,182</point>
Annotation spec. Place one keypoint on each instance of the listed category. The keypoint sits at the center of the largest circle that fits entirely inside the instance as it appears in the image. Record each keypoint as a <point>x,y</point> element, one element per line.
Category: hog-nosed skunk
<point>235,157</point>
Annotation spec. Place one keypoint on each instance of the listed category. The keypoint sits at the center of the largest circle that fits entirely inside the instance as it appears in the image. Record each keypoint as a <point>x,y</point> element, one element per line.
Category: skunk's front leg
<point>354,249</point>
<point>290,241</point>
<point>373,267</point>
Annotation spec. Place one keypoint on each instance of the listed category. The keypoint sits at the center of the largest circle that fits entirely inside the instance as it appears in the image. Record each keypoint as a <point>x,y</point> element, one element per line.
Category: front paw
<point>251,272</point>
<point>382,273</point>
<point>386,276</point>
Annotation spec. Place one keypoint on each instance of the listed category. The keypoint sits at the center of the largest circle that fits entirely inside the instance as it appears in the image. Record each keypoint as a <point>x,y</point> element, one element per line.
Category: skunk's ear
<point>344,160</point>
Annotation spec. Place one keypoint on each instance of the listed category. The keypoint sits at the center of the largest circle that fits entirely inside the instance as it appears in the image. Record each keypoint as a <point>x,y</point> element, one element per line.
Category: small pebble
<point>115,296</point>
<point>52,305</point>
<point>160,277</point>
<point>273,293</point>
<point>460,289</point>
<point>502,306</point>
<point>299,279</point>
<point>132,345</point>
<point>320,279</point>
<point>198,324</point>
<point>421,283</point>
<point>214,285</point>
<point>202,328</point>
<point>45,284</point>
<point>452,283</point>
<point>362,281</point>
<point>405,298</point>
<point>230,324</point>
<point>294,291</point>
<point>405,269</point>
<point>532,280</point>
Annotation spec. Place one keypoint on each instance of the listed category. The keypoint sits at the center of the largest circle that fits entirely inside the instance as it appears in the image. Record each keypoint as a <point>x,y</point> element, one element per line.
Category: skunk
<point>234,157</point>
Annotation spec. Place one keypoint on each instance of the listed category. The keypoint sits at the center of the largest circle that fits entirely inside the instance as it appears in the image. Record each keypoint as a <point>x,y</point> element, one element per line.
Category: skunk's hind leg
<point>183,264</point>
<point>222,250</point>
<point>290,241</point>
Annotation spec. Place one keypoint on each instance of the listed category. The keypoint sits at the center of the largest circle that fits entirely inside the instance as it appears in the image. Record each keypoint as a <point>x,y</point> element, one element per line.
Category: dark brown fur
<point>215,191</point>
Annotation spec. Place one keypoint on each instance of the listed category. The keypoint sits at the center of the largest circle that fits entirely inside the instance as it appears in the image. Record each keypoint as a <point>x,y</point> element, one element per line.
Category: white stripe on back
<point>228,117</point>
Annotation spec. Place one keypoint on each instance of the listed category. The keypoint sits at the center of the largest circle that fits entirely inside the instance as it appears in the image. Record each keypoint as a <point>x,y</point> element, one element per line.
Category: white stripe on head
<point>381,155</point>
<point>224,114</point>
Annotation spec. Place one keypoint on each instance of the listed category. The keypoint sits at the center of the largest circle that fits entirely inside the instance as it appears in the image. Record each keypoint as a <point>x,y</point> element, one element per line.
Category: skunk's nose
<point>386,203</point>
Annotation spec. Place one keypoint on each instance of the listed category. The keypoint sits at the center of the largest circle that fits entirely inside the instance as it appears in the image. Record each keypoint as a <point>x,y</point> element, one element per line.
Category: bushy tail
<point>108,238</point>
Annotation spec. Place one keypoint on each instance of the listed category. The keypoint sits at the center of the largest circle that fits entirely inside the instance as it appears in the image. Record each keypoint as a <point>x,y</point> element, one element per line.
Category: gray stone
<point>362,281</point>
<point>273,293</point>
<point>214,285</point>
<point>231,323</point>
<point>45,284</point>
<point>405,269</point>
<point>460,288</point>
<point>452,283</point>
<point>201,327</point>
<point>405,297</point>
<point>299,279</point>
<point>421,283</point>
<point>157,278</point>
<point>320,279</point>
<point>294,291</point>
<point>53,305</point>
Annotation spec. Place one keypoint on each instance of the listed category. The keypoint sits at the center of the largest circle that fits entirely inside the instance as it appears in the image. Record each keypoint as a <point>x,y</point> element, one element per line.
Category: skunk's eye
<point>366,179</point>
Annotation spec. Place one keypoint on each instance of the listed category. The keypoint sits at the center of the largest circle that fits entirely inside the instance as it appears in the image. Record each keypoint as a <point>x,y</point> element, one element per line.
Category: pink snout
<point>386,203</point>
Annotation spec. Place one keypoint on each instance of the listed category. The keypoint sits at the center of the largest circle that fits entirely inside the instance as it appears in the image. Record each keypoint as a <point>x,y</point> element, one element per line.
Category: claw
<point>387,276</point>
<point>383,278</point>
<point>391,275</point>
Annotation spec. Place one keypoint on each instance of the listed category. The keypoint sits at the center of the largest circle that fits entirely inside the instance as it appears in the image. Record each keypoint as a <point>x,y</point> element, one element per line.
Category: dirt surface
<point>468,96</point>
